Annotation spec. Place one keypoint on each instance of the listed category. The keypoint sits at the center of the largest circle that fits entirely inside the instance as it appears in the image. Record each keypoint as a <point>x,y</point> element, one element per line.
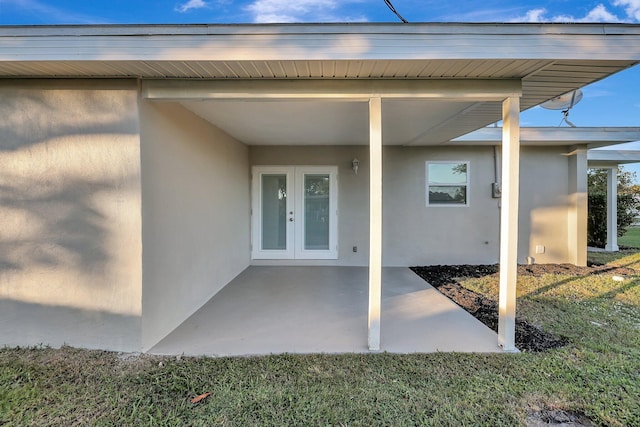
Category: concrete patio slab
<point>268,310</point>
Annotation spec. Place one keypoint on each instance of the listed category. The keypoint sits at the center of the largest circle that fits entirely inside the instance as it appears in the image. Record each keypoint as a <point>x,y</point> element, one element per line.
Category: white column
<point>612,210</point>
<point>375,221</point>
<point>509,223</point>
<point>577,231</point>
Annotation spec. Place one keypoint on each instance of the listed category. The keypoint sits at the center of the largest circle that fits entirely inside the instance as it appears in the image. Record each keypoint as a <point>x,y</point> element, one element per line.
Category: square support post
<point>578,201</point>
<point>509,223</point>
<point>375,221</point>
<point>612,210</point>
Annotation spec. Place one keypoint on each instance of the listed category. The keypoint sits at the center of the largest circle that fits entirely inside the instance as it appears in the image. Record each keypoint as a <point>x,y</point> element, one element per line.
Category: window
<point>447,183</point>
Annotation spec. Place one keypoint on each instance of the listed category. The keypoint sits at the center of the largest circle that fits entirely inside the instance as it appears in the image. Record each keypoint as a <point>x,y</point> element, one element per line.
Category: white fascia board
<point>611,158</point>
<point>592,136</point>
<point>321,28</point>
<point>460,90</point>
<point>321,42</point>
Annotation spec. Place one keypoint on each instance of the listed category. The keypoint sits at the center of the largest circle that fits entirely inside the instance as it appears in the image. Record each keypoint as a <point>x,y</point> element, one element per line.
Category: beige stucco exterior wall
<point>195,211</point>
<point>453,235</point>
<point>70,235</point>
<point>416,234</point>
<point>544,205</point>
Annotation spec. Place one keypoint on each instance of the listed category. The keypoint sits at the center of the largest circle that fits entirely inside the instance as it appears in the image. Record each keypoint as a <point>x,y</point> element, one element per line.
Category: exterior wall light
<point>354,164</point>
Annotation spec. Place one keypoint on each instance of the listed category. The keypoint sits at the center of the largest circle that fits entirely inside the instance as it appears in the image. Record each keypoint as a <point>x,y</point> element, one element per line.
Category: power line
<point>393,9</point>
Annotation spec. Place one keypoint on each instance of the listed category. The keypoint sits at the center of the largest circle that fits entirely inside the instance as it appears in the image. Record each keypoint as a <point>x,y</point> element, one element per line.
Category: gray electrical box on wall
<point>496,190</point>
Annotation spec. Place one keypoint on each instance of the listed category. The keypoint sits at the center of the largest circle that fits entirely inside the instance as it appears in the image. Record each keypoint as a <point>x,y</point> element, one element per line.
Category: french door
<point>294,212</point>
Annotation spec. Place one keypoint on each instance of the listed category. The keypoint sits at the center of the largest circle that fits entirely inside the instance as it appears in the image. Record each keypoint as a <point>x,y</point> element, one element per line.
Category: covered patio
<point>273,309</point>
<point>375,101</point>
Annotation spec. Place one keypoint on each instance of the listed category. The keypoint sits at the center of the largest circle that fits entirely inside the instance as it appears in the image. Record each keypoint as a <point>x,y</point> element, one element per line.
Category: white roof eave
<point>612,158</point>
<point>321,42</point>
<point>591,136</point>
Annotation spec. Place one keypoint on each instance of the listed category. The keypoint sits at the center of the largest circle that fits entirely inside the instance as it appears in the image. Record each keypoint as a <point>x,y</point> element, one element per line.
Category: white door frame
<point>256,214</point>
<point>295,219</point>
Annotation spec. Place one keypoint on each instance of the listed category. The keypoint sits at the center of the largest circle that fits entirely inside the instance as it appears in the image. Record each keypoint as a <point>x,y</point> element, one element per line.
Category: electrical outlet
<point>355,249</point>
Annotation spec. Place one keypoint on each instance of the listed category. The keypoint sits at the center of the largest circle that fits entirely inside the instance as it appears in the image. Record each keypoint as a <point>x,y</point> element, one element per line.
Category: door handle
<point>291,219</point>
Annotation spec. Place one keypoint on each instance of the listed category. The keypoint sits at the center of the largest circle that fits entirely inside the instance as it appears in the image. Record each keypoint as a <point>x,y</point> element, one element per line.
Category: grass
<point>624,258</point>
<point>597,375</point>
<point>631,238</point>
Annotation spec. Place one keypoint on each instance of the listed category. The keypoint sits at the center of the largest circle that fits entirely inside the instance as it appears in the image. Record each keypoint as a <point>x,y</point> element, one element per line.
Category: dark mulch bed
<point>528,336</point>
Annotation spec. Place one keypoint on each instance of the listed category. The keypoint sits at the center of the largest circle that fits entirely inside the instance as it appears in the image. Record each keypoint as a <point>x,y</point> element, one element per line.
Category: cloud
<point>597,14</point>
<point>191,4</point>
<point>600,14</point>
<point>631,7</point>
<point>282,11</point>
<point>534,15</point>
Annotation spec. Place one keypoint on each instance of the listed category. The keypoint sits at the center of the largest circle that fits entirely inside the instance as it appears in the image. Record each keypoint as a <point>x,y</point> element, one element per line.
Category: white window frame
<point>429,184</point>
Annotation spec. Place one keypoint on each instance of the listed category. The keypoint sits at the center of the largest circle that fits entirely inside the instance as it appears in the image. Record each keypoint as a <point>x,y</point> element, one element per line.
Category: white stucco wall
<point>70,234</point>
<point>545,205</point>
<point>453,235</point>
<point>195,211</point>
<point>416,234</point>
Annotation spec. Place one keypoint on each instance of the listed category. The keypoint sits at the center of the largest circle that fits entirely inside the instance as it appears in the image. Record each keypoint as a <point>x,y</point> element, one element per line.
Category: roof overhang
<point>612,158</point>
<point>592,137</point>
<point>335,112</point>
<point>547,59</point>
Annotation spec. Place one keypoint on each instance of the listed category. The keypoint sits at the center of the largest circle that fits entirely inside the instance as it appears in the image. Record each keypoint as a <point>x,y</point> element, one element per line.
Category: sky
<point>614,101</point>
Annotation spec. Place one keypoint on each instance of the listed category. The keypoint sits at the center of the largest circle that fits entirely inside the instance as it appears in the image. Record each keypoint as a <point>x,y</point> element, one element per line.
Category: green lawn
<point>596,376</point>
<point>631,238</point>
<point>623,258</point>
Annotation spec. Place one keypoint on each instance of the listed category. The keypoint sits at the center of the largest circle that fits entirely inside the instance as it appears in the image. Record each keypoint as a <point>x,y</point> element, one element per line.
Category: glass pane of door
<point>316,212</point>
<point>274,212</point>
